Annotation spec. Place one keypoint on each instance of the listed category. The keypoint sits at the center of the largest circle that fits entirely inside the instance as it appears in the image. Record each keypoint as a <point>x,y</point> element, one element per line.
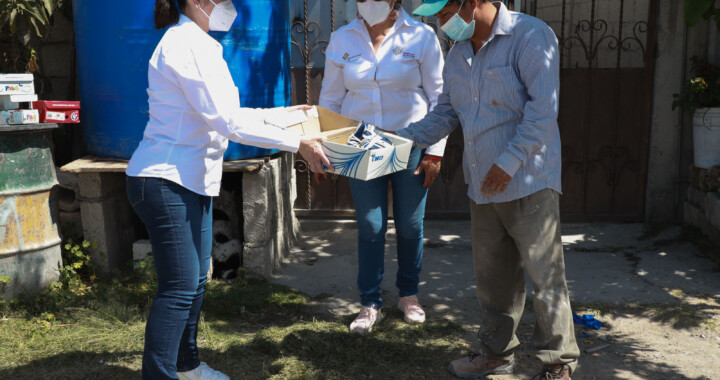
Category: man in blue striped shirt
<point>502,86</point>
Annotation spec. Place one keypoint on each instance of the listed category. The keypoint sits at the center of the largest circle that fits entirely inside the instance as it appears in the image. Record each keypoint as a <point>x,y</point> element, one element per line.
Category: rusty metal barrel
<point>29,241</point>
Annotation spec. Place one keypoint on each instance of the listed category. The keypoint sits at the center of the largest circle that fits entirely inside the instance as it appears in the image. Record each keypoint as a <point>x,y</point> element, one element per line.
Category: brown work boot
<point>477,366</point>
<point>554,372</point>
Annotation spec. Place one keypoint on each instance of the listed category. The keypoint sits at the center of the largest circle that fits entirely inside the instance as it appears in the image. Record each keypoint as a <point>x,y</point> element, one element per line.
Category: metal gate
<point>606,96</point>
<point>607,73</point>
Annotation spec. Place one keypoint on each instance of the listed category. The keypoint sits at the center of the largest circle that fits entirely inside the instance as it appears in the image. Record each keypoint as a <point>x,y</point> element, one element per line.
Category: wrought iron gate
<point>606,94</point>
<point>607,74</point>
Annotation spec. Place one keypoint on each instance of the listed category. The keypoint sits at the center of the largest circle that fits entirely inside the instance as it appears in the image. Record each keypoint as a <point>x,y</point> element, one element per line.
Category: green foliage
<point>696,10</point>
<point>702,90</point>
<point>77,269</point>
<point>4,280</point>
<point>26,22</point>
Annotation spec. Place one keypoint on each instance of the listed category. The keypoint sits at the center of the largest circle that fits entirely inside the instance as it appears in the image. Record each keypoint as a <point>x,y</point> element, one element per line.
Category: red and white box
<point>58,111</point>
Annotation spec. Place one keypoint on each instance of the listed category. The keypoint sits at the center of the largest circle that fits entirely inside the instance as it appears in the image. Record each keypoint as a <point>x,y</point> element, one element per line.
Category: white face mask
<point>374,12</point>
<point>457,29</point>
<point>222,16</point>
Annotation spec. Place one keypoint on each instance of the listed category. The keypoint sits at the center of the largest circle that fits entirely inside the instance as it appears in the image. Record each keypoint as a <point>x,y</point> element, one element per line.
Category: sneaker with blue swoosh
<point>366,138</point>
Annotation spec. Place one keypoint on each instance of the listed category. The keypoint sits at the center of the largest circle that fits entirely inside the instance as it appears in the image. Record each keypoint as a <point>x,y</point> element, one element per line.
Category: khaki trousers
<point>508,238</point>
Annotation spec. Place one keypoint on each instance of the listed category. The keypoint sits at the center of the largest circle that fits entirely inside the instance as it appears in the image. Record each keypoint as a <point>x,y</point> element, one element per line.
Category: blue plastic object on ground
<point>588,321</point>
<point>115,40</point>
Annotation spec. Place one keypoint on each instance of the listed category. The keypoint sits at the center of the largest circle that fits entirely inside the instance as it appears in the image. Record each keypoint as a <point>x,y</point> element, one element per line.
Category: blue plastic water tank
<point>115,40</point>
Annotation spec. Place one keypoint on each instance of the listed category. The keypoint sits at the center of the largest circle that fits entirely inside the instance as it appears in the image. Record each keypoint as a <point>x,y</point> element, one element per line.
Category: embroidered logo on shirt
<point>495,103</point>
<point>398,49</point>
<point>408,55</point>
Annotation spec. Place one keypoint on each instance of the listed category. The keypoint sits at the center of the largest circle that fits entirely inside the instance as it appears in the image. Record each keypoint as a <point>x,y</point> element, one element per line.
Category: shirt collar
<point>403,19</point>
<point>184,20</point>
<point>503,26</point>
<point>503,21</point>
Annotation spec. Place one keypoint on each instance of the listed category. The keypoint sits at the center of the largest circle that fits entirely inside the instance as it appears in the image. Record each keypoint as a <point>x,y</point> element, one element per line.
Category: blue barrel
<point>115,40</point>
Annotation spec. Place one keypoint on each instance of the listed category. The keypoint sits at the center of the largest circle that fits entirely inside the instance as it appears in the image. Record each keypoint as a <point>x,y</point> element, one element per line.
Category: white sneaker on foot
<point>203,372</point>
<point>410,306</point>
<point>365,320</point>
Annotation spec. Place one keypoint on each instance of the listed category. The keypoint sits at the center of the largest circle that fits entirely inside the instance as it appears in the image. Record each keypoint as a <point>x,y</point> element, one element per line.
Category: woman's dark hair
<point>167,12</point>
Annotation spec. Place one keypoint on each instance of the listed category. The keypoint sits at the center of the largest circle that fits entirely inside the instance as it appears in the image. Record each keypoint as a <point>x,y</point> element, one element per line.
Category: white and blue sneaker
<point>366,138</point>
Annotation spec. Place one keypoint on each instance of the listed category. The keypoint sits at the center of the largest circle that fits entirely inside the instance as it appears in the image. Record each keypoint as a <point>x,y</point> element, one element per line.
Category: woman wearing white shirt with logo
<point>385,68</point>
<point>176,170</point>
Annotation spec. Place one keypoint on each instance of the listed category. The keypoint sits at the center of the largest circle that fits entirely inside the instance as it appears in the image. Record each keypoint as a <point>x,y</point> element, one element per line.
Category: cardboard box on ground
<point>347,160</point>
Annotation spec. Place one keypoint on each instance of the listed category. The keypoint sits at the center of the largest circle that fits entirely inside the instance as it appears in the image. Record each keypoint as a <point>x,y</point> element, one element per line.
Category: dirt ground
<point>637,348</point>
<point>656,292</point>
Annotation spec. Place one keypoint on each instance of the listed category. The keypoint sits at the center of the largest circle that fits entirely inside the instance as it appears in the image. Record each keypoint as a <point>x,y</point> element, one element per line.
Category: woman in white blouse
<point>176,170</point>
<point>385,68</point>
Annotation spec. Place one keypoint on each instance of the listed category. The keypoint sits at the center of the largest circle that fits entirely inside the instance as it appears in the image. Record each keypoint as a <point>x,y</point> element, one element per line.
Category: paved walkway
<point>642,282</point>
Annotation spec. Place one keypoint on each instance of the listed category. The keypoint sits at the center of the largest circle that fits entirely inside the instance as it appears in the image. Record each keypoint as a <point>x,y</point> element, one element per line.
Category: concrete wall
<point>670,136</point>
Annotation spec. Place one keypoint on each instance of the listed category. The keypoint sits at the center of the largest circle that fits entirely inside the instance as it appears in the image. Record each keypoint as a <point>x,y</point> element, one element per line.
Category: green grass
<point>250,329</point>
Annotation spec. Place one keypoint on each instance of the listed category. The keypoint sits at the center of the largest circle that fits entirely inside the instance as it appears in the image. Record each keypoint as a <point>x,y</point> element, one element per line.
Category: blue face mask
<point>457,29</point>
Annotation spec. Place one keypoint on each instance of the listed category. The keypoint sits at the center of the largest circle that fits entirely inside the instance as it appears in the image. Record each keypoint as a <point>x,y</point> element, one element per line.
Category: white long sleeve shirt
<point>194,110</point>
<point>390,88</point>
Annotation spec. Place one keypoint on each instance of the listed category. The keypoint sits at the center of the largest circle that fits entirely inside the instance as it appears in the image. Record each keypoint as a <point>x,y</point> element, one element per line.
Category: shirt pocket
<point>502,89</point>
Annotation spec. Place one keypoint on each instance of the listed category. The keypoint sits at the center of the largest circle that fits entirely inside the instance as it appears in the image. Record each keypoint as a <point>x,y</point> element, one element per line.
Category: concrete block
<point>141,249</point>
<point>97,185</point>
<point>259,259</point>
<point>696,217</point>
<point>67,180</point>
<point>695,196</point>
<point>712,209</point>
<point>70,224</point>
<point>67,200</point>
<point>256,205</point>
<point>693,214</point>
<point>108,219</point>
<point>270,225</point>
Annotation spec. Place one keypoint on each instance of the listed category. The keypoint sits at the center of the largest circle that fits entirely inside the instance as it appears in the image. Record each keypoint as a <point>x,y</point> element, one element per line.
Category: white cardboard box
<point>21,84</point>
<point>19,117</point>
<point>11,102</point>
<point>347,160</point>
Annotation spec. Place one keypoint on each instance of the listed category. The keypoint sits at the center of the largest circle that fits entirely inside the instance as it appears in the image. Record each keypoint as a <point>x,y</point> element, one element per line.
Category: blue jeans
<point>371,205</point>
<point>179,222</point>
